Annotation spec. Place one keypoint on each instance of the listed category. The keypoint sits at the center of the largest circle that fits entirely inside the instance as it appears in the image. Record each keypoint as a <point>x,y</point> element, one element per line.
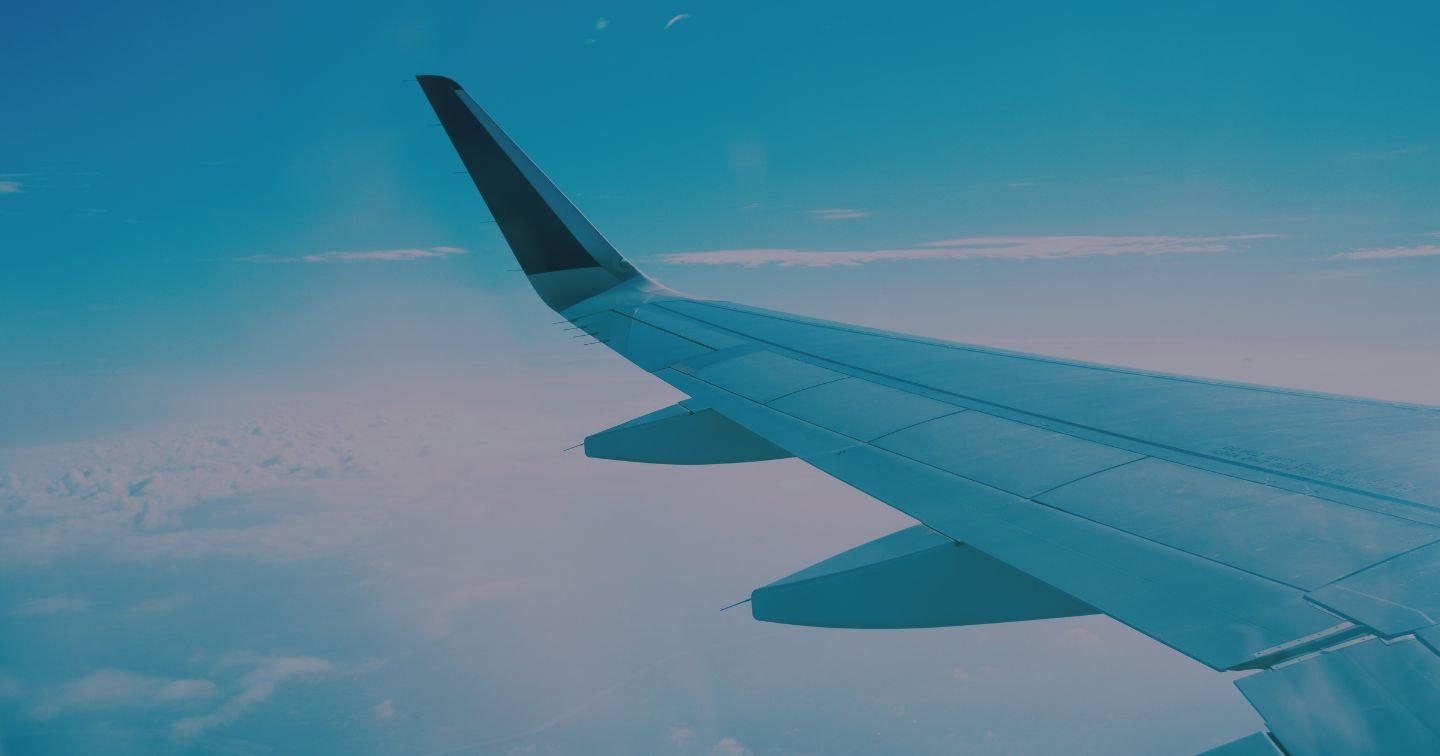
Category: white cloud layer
<point>1390,253</point>
<point>11,187</point>
<point>375,255</point>
<point>340,475</point>
<point>128,496</point>
<point>974,248</point>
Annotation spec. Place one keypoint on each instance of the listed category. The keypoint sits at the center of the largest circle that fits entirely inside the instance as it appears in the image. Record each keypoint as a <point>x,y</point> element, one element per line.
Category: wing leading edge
<point>1251,528</point>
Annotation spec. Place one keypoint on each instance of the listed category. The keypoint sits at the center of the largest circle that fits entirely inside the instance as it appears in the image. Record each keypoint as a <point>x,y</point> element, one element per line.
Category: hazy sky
<point>281,431</point>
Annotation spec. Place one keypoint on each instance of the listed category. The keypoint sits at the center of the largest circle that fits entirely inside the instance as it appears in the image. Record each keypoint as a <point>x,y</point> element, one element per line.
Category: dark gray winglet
<point>566,258</point>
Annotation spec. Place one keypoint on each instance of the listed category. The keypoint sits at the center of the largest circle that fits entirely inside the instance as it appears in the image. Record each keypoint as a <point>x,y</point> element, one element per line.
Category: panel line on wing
<point>1091,475</point>
<point>807,388</point>
<point>676,334</point>
<point>878,439</point>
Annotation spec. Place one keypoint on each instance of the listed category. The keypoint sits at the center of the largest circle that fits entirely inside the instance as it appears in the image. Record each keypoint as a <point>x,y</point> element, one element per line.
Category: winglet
<point>565,257</point>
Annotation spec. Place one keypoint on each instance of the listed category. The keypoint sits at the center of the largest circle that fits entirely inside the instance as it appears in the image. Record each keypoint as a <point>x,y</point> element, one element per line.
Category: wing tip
<point>433,80</point>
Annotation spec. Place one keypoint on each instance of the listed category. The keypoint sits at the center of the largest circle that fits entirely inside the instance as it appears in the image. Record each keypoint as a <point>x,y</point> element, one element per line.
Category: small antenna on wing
<point>737,603</point>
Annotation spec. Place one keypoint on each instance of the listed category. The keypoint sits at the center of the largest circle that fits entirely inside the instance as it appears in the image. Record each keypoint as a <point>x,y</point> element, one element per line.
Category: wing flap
<point>1370,697</point>
<point>1240,523</point>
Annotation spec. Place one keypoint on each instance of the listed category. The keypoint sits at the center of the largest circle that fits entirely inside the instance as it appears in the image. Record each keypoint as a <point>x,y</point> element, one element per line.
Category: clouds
<point>730,747</point>
<point>1079,637</point>
<point>974,248</point>
<point>1390,253</point>
<point>377,255</point>
<point>681,735</point>
<point>378,484</point>
<point>252,689</point>
<point>297,482</point>
<point>675,20</point>
<point>117,689</point>
<point>161,605</point>
<point>51,605</point>
<point>837,213</point>
<point>241,680</point>
<point>129,495</point>
<point>10,186</point>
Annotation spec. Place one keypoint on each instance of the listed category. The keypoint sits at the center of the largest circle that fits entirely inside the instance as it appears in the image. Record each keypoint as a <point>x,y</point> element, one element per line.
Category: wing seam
<point>1087,476</point>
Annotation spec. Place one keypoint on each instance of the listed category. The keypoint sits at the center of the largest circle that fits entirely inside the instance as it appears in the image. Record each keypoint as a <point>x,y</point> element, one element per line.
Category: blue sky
<point>280,429</point>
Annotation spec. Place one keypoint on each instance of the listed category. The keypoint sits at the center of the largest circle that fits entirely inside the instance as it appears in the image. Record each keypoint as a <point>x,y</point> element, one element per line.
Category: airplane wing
<point>1293,535</point>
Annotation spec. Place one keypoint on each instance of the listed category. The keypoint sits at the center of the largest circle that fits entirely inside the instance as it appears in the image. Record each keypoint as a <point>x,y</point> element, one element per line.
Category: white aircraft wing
<point>1292,534</point>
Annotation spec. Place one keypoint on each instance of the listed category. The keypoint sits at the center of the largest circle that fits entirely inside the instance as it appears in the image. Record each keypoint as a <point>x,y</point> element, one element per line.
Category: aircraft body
<point>1291,535</point>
